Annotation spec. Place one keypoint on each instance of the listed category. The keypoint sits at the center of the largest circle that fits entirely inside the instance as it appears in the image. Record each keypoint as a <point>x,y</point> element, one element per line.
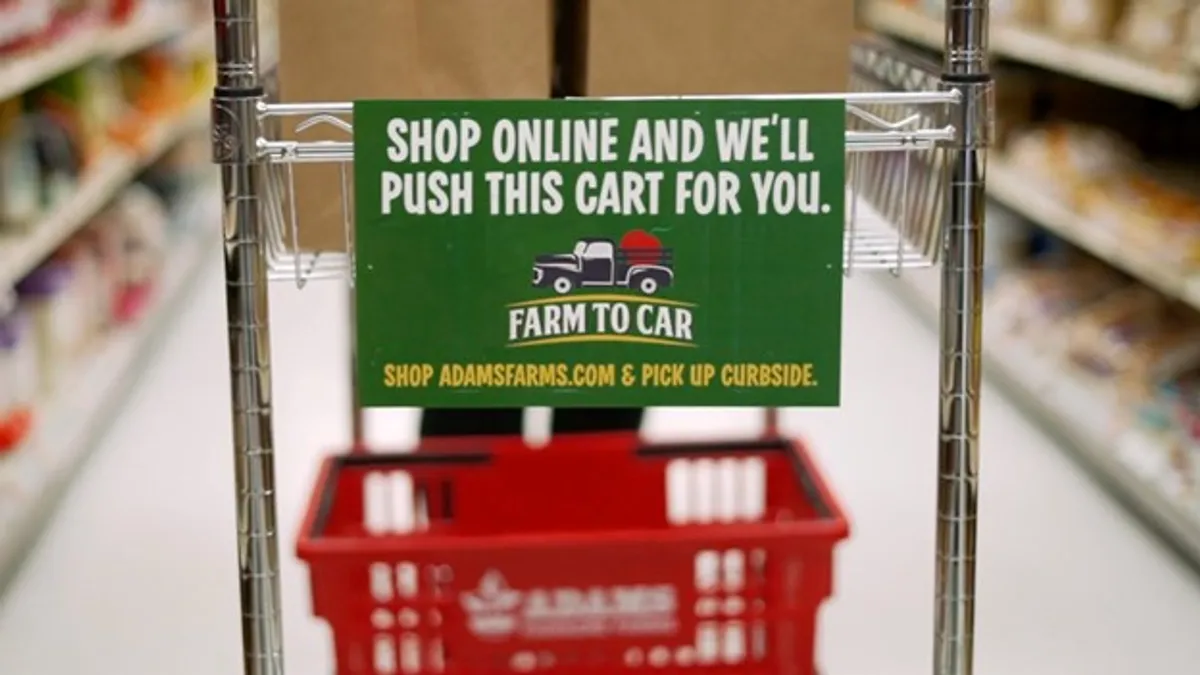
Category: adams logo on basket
<point>497,611</point>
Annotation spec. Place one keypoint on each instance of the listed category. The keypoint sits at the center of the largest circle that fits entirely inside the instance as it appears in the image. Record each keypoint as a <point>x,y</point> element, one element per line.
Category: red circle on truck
<point>641,247</point>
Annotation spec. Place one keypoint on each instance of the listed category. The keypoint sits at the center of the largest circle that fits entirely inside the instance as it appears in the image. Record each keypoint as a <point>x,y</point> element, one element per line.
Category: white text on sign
<point>523,167</point>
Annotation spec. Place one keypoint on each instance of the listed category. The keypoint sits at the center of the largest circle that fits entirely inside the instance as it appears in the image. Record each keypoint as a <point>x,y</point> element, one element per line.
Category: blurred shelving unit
<point>1095,63</point>
<point>1009,187</point>
<point>1126,464</point>
<point>1130,463</point>
<point>87,42</point>
<point>1100,64</point>
<point>35,475</point>
<point>23,72</point>
<point>34,479</point>
<point>19,255</point>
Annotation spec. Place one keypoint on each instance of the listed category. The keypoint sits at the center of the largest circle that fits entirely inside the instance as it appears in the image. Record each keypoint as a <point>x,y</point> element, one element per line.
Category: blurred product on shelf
<point>1139,45</point>
<point>1007,240</point>
<point>18,377</point>
<point>45,295</point>
<point>20,19</point>
<point>179,169</point>
<point>1155,29</point>
<point>73,111</point>
<point>1191,32</point>
<point>1127,358</point>
<point>40,38</point>
<point>55,137</point>
<point>1151,215</point>
<point>1173,420</point>
<point>1125,342</point>
<point>100,279</point>
<point>1020,12</point>
<point>30,24</point>
<point>1083,20</point>
<point>153,81</point>
<point>154,84</point>
<point>20,200</point>
<point>1071,160</point>
<point>1031,302</point>
<point>124,10</point>
<point>33,24</point>
<point>89,305</point>
<point>1116,193</point>
<point>143,221</point>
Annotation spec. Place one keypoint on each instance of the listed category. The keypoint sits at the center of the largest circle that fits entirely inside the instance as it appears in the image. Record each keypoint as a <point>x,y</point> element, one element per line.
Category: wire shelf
<point>895,123</point>
<point>903,191</point>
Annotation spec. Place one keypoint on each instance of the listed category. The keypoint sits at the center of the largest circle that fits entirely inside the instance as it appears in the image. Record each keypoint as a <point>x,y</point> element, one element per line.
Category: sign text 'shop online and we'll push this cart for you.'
<point>650,252</point>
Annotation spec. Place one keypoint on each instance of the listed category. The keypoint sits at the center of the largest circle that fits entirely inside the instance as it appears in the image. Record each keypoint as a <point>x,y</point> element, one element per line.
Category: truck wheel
<point>563,285</point>
<point>647,285</point>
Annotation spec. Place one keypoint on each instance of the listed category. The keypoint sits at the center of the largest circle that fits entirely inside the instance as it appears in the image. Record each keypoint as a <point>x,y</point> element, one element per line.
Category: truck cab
<point>597,262</point>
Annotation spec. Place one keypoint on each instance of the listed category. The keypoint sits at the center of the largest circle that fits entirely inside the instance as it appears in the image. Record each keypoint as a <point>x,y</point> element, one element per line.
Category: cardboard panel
<point>401,49</point>
<point>680,47</point>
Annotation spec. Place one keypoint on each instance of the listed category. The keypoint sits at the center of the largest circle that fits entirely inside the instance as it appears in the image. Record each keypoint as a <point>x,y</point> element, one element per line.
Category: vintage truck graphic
<point>639,262</point>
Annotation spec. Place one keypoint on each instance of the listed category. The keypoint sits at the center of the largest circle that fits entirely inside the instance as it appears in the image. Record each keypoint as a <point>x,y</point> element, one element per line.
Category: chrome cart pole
<point>358,424</point>
<point>236,132</point>
<point>965,70</point>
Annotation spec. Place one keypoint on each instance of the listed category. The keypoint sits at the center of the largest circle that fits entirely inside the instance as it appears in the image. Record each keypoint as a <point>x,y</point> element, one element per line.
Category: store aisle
<point>137,574</point>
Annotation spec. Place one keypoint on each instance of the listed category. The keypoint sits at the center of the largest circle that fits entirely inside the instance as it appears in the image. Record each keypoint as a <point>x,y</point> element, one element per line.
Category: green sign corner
<point>599,253</point>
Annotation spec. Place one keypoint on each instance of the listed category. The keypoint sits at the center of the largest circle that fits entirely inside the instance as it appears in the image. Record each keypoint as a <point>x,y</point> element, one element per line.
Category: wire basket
<point>488,556</point>
<point>896,120</point>
<point>904,189</point>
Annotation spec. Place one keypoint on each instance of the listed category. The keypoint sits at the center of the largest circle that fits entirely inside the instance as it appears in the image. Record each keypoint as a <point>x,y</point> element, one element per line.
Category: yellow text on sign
<point>599,375</point>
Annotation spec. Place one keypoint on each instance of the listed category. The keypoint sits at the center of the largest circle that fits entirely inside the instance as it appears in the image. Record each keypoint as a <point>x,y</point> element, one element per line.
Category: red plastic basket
<point>594,553</point>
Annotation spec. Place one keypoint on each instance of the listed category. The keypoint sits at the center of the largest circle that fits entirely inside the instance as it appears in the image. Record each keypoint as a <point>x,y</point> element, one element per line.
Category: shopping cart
<point>633,576</point>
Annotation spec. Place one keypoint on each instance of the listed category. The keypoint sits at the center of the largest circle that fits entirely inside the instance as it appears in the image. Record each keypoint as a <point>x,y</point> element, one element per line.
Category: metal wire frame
<point>241,113</point>
<point>906,189</point>
<point>899,127</point>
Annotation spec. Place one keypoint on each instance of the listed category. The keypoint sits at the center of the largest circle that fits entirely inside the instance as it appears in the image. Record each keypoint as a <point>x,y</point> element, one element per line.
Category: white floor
<point>137,573</point>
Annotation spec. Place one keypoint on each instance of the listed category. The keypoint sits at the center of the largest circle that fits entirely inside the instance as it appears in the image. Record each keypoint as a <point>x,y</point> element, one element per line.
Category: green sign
<point>599,253</point>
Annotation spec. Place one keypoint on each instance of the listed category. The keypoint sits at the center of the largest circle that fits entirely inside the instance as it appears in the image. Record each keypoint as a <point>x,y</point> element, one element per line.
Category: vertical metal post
<point>771,423</point>
<point>357,418</point>
<point>236,132</point>
<point>965,70</point>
